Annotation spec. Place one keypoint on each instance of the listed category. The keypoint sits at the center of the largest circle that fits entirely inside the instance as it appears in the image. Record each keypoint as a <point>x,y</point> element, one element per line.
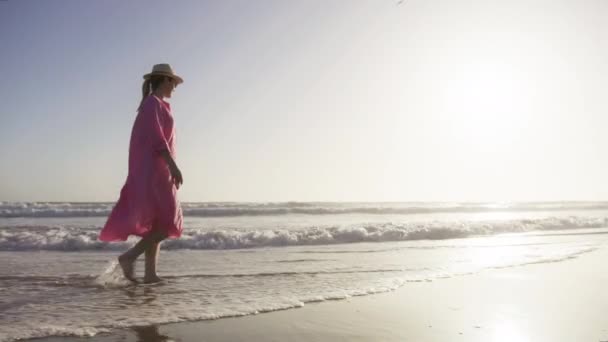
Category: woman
<point>148,204</point>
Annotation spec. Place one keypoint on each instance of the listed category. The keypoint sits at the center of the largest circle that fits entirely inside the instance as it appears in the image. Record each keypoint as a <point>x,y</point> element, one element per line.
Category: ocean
<point>238,259</point>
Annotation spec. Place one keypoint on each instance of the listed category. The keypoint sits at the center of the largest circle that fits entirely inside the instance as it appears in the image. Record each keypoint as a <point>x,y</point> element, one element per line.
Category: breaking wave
<point>62,238</point>
<point>228,209</point>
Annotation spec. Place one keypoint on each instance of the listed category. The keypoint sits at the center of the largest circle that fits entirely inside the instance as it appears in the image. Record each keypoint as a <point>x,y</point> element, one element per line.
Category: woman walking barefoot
<point>148,205</point>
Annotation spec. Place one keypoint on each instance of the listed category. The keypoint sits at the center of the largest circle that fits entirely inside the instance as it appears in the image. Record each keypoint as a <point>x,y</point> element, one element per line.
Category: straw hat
<point>163,69</point>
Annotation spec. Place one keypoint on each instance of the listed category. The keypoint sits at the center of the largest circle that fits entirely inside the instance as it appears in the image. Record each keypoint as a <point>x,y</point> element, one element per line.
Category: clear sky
<point>342,100</point>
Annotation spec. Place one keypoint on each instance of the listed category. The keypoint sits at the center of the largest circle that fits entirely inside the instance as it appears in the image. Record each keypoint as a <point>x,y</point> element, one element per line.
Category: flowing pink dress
<point>148,200</point>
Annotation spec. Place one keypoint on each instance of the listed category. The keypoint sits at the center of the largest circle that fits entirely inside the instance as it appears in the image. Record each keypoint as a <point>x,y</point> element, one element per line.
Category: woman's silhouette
<point>148,205</point>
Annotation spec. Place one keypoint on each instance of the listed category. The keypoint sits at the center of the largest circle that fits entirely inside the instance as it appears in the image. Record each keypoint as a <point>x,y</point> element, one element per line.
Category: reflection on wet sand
<point>150,334</point>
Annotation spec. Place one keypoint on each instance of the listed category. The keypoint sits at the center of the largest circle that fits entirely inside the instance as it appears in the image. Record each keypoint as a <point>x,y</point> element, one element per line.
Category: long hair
<point>150,85</point>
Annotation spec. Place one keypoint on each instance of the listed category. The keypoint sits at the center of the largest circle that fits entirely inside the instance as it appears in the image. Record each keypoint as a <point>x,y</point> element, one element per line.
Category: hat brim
<point>177,78</point>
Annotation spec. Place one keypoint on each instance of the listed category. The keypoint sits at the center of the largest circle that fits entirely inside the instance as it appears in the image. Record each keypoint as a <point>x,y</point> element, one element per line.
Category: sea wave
<point>47,330</point>
<point>58,238</point>
<point>229,209</point>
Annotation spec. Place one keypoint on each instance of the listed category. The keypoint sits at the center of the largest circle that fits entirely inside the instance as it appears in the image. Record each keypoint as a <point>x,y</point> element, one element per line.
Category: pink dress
<point>148,199</point>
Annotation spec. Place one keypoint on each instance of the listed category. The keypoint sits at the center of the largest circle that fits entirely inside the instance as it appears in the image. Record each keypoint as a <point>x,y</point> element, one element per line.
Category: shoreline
<point>554,301</point>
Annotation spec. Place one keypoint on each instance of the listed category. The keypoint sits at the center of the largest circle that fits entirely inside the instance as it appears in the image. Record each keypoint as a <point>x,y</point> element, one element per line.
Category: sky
<point>342,100</point>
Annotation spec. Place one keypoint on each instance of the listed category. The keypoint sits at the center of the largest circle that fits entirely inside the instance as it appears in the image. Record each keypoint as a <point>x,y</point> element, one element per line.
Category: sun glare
<point>507,331</point>
<point>482,105</point>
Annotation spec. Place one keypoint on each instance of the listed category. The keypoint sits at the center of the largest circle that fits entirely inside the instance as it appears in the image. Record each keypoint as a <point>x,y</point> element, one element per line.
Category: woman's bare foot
<point>128,268</point>
<point>152,279</point>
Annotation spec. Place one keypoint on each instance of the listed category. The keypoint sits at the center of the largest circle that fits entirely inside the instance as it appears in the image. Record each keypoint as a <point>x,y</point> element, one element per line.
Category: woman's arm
<point>175,172</point>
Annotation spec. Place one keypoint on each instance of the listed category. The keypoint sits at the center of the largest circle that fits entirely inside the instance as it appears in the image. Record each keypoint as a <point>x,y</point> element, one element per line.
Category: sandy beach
<point>555,301</point>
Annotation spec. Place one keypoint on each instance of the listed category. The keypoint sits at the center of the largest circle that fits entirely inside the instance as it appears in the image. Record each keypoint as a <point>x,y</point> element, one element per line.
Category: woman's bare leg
<point>151,262</point>
<point>127,259</point>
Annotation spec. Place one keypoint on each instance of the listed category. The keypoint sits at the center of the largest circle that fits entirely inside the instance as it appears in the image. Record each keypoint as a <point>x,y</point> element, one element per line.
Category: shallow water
<point>56,279</point>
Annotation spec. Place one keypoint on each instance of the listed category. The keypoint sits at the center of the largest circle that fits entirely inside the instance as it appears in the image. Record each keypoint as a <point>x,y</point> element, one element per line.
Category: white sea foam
<point>45,330</point>
<point>112,276</point>
<point>76,239</point>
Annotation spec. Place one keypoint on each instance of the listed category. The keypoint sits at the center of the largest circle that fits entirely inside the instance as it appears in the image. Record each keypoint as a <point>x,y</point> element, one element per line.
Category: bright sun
<point>483,105</point>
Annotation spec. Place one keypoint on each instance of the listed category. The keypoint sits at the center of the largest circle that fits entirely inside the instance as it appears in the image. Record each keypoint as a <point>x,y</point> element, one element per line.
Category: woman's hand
<point>176,174</point>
